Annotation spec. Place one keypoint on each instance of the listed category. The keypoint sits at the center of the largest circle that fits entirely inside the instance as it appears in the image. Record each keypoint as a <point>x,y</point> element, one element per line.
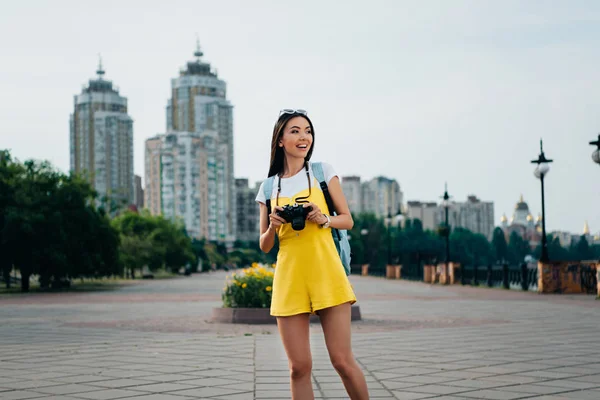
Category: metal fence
<point>522,276</point>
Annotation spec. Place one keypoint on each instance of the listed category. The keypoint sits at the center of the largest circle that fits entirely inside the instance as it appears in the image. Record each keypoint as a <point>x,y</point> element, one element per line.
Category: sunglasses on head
<point>291,111</point>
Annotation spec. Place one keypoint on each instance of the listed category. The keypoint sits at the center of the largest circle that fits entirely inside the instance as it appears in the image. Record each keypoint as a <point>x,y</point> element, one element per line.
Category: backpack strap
<point>317,169</point>
<point>268,191</point>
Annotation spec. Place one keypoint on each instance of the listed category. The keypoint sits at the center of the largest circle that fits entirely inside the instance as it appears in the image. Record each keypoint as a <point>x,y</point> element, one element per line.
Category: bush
<point>250,289</point>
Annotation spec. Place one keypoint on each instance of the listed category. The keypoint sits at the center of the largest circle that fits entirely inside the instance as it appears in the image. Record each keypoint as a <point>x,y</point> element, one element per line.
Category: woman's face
<point>297,138</point>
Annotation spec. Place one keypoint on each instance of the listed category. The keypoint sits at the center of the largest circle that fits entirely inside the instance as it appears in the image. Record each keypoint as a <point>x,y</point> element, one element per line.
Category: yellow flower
<point>254,264</point>
<point>273,265</point>
<point>244,285</point>
<point>268,288</point>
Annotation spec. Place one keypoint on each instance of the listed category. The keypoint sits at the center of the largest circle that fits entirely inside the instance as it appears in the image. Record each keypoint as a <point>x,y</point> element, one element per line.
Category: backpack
<point>340,236</point>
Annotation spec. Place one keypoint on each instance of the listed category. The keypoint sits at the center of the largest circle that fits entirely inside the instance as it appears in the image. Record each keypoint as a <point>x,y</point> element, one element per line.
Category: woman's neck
<point>292,166</point>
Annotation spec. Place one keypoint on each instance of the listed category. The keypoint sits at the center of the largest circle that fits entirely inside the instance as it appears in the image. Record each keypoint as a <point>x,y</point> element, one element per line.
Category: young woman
<point>309,276</point>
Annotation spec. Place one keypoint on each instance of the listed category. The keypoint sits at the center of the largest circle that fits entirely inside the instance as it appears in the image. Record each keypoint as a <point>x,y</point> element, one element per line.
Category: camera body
<point>295,214</point>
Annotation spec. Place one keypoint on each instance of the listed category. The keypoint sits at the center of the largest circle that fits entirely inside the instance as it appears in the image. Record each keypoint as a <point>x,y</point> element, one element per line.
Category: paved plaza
<point>153,340</point>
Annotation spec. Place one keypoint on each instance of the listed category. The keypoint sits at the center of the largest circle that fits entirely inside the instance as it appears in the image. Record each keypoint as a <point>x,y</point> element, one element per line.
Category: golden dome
<point>586,228</point>
<point>529,218</point>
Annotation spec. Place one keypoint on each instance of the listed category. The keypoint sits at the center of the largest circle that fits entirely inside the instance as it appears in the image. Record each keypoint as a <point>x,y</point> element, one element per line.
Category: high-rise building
<point>101,141</point>
<point>199,146</point>
<point>353,192</point>
<point>474,215</point>
<point>177,180</point>
<point>381,196</point>
<point>138,192</point>
<point>247,211</point>
<point>424,211</point>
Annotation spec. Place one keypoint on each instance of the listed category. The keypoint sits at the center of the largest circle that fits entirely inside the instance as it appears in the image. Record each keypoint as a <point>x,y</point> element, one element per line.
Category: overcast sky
<point>420,91</point>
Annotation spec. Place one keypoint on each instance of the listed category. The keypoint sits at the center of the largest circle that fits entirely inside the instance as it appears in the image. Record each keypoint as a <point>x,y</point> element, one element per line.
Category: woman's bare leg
<point>294,332</point>
<point>337,329</point>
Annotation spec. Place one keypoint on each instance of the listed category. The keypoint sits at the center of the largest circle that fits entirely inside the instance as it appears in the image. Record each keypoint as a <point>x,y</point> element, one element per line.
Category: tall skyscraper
<point>195,155</point>
<point>101,140</point>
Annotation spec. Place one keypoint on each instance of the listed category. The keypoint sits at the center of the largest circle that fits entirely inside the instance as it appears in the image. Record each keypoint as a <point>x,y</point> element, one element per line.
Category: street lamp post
<point>596,153</point>
<point>540,172</point>
<point>446,204</point>
<point>388,221</point>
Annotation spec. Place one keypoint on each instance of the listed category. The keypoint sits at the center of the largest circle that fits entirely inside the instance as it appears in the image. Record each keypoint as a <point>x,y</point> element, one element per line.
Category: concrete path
<point>153,340</point>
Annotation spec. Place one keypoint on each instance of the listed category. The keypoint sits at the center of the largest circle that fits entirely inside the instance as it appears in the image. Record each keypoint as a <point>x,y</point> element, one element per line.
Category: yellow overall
<point>309,275</point>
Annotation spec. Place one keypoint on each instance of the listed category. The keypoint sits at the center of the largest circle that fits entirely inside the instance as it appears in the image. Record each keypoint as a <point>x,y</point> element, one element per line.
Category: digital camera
<point>296,214</point>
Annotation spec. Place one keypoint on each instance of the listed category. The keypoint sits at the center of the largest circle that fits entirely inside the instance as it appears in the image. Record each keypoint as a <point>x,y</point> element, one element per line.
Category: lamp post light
<point>540,172</point>
<point>596,153</point>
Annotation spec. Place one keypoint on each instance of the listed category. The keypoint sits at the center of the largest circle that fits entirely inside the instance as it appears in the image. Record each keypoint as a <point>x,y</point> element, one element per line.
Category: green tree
<point>518,248</point>
<point>499,245</point>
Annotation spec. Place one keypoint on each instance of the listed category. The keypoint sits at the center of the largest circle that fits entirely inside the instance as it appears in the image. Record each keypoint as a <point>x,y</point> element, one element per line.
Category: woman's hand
<point>275,220</point>
<point>315,215</point>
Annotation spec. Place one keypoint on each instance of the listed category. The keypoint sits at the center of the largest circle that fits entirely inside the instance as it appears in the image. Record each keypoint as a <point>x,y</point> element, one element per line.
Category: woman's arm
<point>268,231</point>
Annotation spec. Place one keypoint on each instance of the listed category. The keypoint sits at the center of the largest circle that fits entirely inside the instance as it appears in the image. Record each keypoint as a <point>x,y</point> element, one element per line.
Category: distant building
<point>189,169</point>
<point>101,141</point>
<point>247,211</point>
<point>473,214</point>
<point>353,192</point>
<point>424,211</point>
<point>381,196</point>
<point>138,193</point>
<point>523,223</point>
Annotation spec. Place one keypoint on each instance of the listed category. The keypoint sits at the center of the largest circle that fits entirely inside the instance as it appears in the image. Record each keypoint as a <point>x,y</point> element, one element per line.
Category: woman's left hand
<point>315,215</point>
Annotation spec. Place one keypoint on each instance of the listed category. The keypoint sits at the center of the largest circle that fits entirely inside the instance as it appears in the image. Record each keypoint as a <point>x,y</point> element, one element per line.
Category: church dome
<point>521,205</point>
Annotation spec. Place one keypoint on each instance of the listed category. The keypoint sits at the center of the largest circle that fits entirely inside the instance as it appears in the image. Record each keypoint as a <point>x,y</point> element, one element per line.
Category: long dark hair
<point>277,155</point>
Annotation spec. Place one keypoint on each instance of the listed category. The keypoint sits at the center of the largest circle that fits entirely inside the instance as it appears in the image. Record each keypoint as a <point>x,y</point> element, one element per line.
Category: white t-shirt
<point>295,184</point>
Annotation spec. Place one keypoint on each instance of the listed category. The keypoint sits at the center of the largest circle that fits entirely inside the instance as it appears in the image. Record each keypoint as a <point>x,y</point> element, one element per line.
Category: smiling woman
<point>310,277</point>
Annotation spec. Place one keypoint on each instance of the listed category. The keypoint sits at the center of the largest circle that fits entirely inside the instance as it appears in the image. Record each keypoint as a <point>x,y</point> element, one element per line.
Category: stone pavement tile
<point>161,387</point>
<point>587,378</point>
<point>276,379</point>
<point>495,394</point>
<point>206,392</point>
<point>21,395</point>
<point>440,389</point>
<point>108,394</point>
<point>570,384</point>
<point>547,374</point>
<point>29,384</point>
<point>393,384</point>
<point>512,379</point>
<point>461,375</point>
<point>118,383</point>
<point>239,385</point>
<point>273,394</point>
<point>401,395</point>
<point>425,379</point>
<point>69,388</point>
<point>159,396</point>
<point>273,386</point>
<point>342,394</point>
<point>477,383</point>
<point>81,378</point>
<point>535,389</point>
<point>582,395</point>
<point>154,377</point>
<point>201,382</point>
<point>239,396</point>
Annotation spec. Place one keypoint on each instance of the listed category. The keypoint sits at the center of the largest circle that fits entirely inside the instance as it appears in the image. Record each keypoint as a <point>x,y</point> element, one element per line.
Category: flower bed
<point>247,298</point>
<point>252,288</point>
